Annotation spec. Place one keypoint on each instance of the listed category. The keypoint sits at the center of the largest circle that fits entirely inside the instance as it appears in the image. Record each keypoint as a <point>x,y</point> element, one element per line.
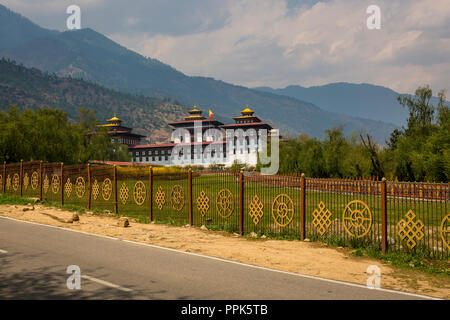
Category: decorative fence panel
<point>390,216</point>
<point>102,188</point>
<point>170,196</point>
<point>347,210</point>
<point>31,179</point>
<point>215,196</point>
<point>13,179</point>
<point>76,185</point>
<point>272,205</point>
<point>51,182</point>
<point>418,218</point>
<point>133,192</point>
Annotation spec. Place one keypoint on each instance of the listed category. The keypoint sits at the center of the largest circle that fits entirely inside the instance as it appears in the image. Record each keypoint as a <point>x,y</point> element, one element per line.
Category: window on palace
<point>156,151</point>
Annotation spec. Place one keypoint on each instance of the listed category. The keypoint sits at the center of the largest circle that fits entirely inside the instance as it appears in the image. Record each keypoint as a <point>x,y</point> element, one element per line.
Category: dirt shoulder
<point>308,258</point>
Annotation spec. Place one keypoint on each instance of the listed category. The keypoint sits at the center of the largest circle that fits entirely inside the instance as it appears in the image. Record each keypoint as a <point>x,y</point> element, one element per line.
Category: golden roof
<point>195,110</point>
<point>114,119</point>
<point>247,110</point>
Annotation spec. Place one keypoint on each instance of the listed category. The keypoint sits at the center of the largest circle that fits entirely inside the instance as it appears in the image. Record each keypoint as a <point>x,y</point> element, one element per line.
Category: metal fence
<point>391,216</point>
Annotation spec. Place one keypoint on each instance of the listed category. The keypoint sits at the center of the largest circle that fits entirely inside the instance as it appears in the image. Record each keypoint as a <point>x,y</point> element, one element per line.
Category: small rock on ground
<point>124,222</point>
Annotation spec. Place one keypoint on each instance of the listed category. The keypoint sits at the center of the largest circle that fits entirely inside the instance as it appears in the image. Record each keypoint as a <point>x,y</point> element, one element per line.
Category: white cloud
<point>265,43</point>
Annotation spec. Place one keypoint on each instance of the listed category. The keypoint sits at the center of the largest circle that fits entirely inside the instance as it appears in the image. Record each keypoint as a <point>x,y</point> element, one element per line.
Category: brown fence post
<point>89,185</point>
<point>384,243</point>
<point>62,183</point>
<point>241,203</point>
<point>150,192</point>
<point>191,216</point>
<point>302,207</point>
<point>40,180</point>
<point>116,203</point>
<point>21,177</point>
<point>4,177</point>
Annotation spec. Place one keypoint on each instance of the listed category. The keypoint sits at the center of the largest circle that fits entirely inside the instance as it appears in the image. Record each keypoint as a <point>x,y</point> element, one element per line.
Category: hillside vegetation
<point>31,88</point>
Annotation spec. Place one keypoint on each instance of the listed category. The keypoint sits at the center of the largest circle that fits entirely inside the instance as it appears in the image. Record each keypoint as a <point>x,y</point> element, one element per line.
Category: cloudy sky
<point>274,42</point>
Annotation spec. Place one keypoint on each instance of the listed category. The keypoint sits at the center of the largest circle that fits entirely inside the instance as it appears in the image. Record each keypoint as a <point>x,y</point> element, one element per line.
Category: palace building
<point>121,134</point>
<point>201,141</point>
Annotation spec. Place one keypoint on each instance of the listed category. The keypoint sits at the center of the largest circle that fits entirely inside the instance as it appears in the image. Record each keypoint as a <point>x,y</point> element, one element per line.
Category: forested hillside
<point>31,88</point>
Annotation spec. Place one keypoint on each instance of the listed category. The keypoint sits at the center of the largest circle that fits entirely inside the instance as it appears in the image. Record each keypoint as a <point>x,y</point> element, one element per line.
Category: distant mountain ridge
<point>359,100</point>
<point>91,56</point>
<point>30,88</point>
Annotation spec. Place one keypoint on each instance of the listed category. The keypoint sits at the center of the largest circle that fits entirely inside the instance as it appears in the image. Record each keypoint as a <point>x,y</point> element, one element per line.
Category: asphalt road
<point>34,259</point>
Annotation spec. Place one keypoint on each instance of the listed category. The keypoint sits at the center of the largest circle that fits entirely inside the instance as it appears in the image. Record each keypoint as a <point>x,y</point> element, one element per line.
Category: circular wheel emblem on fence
<point>225,203</point>
<point>16,181</point>
<point>283,210</point>
<point>80,187</point>
<point>445,230</point>
<point>46,184</point>
<point>177,197</point>
<point>26,180</point>
<point>55,183</point>
<point>139,193</point>
<point>106,189</point>
<point>357,218</point>
<point>34,180</point>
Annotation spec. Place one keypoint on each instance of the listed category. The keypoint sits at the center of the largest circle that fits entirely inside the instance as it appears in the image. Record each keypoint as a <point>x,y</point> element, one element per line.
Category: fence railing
<point>392,216</point>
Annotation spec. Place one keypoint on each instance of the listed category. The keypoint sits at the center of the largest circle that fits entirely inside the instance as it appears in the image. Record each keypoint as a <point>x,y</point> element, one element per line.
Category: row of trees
<point>418,152</point>
<point>48,134</point>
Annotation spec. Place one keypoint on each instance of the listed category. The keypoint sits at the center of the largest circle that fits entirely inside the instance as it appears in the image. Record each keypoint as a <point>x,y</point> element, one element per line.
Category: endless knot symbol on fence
<point>256,209</point>
<point>26,180</point>
<point>410,230</point>
<point>445,230</point>
<point>95,189</point>
<point>124,193</point>
<point>106,189</point>
<point>34,180</point>
<point>80,187</point>
<point>357,218</point>
<point>8,182</point>
<point>46,184</point>
<point>203,203</point>
<point>322,218</point>
<point>139,193</point>
<point>177,196</point>
<point>55,183</point>
<point>68,187</point>
<point>16,181</point>
<point>225,203</point>
<point>283,210</point>
<point>160,198</point>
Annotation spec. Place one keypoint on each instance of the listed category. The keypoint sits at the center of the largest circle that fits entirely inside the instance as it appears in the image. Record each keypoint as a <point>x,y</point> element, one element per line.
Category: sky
<point>274,42</point>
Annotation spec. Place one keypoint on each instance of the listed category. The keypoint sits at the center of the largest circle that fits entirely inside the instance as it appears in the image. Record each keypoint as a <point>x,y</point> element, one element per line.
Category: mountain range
<point>89,55</point>
<point>360,100</point>
<point>31,88</point>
